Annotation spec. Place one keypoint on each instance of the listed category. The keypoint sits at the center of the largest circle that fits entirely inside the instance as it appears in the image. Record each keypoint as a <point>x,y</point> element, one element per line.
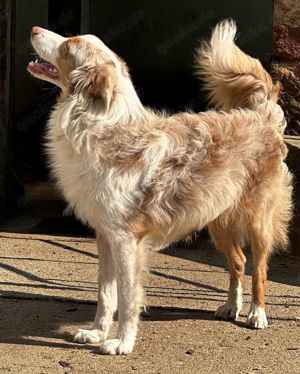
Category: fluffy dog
<point>143,179</point>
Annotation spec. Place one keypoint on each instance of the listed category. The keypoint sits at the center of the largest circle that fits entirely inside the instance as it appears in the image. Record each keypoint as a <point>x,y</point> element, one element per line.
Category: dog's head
<point>81,64</point>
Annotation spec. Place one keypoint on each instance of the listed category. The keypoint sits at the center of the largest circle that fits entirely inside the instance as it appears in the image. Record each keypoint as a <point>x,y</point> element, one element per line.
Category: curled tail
<point>232,78</point>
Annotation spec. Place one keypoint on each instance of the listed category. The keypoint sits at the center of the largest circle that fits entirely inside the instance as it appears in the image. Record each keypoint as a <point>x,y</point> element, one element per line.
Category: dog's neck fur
<point>87,116</point>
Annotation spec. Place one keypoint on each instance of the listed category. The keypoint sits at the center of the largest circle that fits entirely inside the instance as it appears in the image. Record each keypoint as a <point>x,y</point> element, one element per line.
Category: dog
<point>145,179</point>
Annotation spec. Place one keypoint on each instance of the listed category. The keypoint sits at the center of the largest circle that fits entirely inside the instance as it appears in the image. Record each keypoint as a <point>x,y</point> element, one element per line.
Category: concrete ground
<point>48,291</point>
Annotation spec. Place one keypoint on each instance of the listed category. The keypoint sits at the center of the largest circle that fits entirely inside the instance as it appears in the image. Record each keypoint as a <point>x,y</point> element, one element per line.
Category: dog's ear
<point>97,82</point>
<point>275,93</point>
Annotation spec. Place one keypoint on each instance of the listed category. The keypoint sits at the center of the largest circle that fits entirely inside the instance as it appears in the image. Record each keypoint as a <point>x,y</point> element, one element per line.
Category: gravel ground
<point>48,291</point>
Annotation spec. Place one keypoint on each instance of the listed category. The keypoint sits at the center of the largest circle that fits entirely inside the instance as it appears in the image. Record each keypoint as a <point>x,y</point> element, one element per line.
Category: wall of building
<point>3,106</point>
<point>286,55</point>
<point>2,60</point>
<point>167,33</point>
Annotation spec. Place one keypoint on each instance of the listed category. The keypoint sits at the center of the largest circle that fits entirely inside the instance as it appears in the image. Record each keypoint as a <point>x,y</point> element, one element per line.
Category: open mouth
<point>43,68</point>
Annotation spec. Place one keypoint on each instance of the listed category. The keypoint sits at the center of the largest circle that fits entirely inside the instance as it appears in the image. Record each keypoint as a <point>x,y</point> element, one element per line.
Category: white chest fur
<point>99,195</point>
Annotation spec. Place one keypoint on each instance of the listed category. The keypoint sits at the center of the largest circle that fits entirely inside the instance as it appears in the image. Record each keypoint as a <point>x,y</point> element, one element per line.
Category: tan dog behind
<point>233,79</point>
<point>143,179</point>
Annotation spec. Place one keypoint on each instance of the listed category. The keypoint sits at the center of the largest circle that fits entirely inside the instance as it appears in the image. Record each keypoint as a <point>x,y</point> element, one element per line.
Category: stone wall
<point>286,59</point>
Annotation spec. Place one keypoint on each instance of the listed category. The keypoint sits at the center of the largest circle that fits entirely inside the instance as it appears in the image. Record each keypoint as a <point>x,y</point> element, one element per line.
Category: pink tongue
<point>44,68</point>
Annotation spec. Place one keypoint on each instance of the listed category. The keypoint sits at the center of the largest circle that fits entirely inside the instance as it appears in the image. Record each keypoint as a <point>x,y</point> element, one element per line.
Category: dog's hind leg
<point>261,244</point>
<point>262,227</point>
<point>128,264</point>
<point>270,213</point>
<point>228,240</point>
<point>107,296</point>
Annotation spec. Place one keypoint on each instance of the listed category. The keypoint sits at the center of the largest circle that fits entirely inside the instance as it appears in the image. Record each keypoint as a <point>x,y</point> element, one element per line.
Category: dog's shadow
<point>30,319</point>
<point>38,320</point>
<point>283,267</point>
<point>160,313</point>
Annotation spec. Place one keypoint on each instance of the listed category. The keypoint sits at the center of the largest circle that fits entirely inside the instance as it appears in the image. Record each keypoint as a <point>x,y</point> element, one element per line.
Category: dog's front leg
<point>107,296</point>
<point>128,265</point>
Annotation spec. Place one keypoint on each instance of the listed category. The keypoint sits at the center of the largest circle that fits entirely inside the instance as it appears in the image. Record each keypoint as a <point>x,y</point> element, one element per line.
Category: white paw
<point>88,336</point>
<point>228,311</point>
<point>257,318</point>
<point>116,347</point>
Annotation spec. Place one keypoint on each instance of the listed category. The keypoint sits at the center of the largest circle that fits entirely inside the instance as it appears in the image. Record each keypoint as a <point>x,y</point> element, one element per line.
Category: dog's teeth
<point>36,61</point>
<point>31,63</point>
<point>53,70</point>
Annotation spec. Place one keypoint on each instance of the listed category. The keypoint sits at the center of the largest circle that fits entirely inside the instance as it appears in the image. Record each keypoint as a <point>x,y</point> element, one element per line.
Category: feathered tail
<point>232,78</point>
